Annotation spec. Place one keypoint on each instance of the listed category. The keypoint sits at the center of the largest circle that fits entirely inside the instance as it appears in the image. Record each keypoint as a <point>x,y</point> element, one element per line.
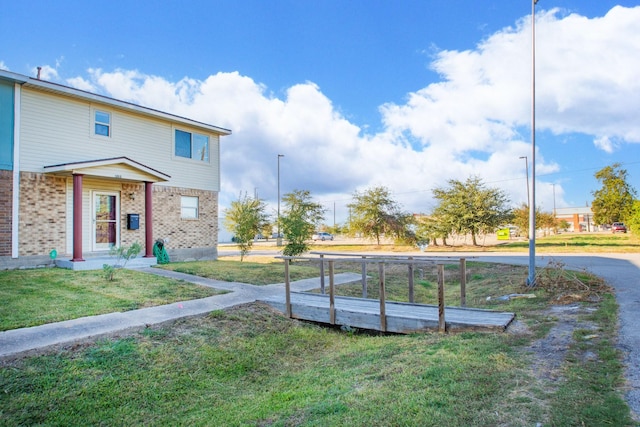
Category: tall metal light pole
<point>278,237</point>
<point>526,168</point>
<point>531,279</point>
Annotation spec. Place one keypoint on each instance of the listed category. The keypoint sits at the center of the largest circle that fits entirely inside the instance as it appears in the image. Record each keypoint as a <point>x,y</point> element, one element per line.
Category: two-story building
<point>81,173</point>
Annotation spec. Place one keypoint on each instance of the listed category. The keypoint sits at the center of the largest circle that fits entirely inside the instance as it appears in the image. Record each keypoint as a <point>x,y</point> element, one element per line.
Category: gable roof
<point>92,97</point>
<point>121,168</point>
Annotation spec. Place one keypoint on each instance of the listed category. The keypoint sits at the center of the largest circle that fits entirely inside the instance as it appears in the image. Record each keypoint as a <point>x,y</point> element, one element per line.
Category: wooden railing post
<point>463,282</point>
<point>383,306</point>
<point>442,326</point>
<point>287,287</point>
<point>364,277</point>
<point>411,293</point>
<point>322,274</point>
<point>332,301</point>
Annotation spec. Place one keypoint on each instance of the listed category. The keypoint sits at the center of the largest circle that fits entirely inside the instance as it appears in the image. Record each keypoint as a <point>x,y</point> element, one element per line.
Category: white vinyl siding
<point>57,129</point>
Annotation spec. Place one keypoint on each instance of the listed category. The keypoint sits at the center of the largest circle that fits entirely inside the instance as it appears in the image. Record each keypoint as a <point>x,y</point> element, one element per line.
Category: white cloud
<point>604,143</point>
<point>82,84</point>
<point>469,123</point>
<point>4,66</point>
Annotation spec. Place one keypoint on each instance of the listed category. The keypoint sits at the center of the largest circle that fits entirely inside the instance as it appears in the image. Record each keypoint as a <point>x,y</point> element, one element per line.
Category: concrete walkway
<point>16,341</point>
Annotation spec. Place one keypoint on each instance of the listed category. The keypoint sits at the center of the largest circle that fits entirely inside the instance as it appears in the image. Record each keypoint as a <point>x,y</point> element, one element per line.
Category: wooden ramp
<point>399,317</point>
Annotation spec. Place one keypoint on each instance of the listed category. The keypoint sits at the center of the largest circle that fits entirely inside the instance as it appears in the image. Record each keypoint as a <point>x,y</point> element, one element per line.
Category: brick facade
<point>185,233</point>
<point>6,195</point>
<point>168,225</point>
<point>43,215</point>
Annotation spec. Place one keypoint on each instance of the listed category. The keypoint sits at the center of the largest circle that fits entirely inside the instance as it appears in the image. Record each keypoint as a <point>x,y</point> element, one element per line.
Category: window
<point>191,145</point>
<point>102,123</point>
<point>189,207</point>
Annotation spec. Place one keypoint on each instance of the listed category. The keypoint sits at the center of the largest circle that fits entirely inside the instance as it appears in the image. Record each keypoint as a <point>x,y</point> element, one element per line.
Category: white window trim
<point>192,132</point>
<point>92,127</point>
<point>197,208</point>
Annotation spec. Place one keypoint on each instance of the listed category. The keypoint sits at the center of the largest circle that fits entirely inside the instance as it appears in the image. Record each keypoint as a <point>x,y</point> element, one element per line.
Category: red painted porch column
<point>77,218</point>
<point>148,219</point>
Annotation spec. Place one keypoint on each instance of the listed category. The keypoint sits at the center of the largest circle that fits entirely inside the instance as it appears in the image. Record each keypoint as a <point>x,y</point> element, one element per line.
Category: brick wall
<point>6,195</point>
<point>43,215</point>
<point>185,233</point>
<point>132,202</point>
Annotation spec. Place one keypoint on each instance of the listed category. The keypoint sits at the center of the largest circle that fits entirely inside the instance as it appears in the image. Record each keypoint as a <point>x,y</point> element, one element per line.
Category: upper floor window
<point>102,123</point>
<point>189,207</point>
<point>191,145</point>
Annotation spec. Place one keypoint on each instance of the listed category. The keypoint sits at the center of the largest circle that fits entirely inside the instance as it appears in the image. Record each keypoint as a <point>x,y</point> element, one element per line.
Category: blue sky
<point>406,94</point>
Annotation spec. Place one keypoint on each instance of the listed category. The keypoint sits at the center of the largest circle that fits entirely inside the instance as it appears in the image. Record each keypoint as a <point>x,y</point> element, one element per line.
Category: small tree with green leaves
<point>245,218</point>
<point>613,202</point>
<point>471,208</point>
<point>521,219</point>
<point>375,214</point>
<point>299,220</point>
<point>123,254</point>
<point>634,219</point>
<point>429,229</point>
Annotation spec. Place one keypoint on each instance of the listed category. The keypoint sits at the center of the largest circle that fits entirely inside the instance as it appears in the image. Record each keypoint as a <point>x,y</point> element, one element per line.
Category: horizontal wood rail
<point>381,261</point>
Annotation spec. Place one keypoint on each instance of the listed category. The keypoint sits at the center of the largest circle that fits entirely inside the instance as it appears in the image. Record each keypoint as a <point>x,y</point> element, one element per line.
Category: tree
<point>520,218</point>
<point>471,208</point>
<point>374,213</point>
<point>245,218</point>
<point>614,201</point>
<point>430,228</point>
<point>547,222</point>
<point>633,221</point>
<point>299,220</point>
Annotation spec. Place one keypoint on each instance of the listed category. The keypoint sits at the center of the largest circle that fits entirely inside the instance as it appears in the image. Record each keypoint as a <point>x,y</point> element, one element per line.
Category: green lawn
<point>579,242</point>
<point>36,297</point>
<point>251,366</point>
<point>266,272</point>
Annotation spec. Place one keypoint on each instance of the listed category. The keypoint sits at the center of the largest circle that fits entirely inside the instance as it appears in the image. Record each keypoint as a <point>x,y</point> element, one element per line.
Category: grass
<point>559,243</point>
<point>36,297</point>
<point>252,366</point>
<point>265,272</point>
<point>579,242</point>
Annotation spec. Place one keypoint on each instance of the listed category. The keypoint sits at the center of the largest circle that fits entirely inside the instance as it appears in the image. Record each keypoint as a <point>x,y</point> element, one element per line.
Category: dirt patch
<point>549,353</point>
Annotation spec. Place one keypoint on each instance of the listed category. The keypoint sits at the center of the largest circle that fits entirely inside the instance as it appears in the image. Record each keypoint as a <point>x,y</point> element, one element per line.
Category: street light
<point>526,168</point>
<point>531,279</point>
<point>278,238</point>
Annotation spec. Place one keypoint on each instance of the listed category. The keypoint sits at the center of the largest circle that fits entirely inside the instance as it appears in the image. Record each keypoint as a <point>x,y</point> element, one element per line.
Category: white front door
<point>106,226</point>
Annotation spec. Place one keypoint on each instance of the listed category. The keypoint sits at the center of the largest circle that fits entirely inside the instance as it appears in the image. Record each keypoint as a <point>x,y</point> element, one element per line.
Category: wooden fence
<point>411,261</point>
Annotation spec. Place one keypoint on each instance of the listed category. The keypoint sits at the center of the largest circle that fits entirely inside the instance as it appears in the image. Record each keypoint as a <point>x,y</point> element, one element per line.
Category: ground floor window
<point>189,207</point>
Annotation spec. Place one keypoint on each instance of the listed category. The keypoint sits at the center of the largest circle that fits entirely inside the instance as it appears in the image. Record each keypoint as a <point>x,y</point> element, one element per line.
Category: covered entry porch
<point>102,213</point>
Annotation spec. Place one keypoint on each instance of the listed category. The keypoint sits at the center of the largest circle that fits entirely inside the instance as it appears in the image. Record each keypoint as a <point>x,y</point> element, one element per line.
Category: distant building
<point>81,173</point>
<point>580,219</point>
